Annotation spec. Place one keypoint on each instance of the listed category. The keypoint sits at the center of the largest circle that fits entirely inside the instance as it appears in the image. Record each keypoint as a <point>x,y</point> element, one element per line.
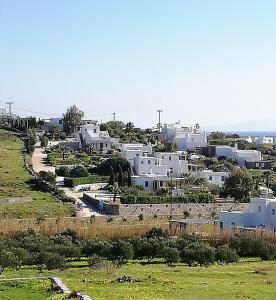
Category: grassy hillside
<point>14,186</point>
<point>249,279</point>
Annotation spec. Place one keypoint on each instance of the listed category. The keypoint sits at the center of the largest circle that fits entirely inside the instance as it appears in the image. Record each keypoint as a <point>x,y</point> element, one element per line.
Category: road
<point>40,163</point>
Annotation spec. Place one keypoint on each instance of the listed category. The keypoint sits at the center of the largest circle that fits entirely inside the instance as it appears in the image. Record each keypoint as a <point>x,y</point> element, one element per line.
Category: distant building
<point>89,133</point>
<point>212,177</point>
<point>241,156</point>
<point>185,137</point>
<point>260,213</point>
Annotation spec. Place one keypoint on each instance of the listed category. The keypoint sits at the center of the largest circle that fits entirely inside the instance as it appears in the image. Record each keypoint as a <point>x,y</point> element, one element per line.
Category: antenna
<point>10,103</point>
<point>159,125</point>
<point>114,117</point>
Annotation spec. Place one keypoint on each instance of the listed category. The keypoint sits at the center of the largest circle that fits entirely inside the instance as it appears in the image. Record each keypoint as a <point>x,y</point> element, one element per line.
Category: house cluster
<point>158,170</point>
<point>184,137</point>
<point>88,133</point>
<point>260,213</point>
<point>251,159</point>
<point>261,140</point>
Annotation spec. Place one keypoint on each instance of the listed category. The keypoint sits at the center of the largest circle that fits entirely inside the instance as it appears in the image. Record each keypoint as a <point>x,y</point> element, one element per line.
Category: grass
<point>14,186</point>
<point>27,290</point>
<point>249,279</point>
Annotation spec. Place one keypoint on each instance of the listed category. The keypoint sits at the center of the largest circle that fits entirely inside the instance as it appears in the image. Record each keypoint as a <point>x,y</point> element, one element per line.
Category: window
<point>95,130</point>
<point>162,157</point>
<point>222,178</point>
<point>170,158</point>
<point>146,184</point>
<point>161,183</point>
<point>259,208</point>
<point>148,162</point>
<point>137,154</point>
<point>60,122</point>
<point>142,162</point>
<point>273,211</point>
<point>210,178</point>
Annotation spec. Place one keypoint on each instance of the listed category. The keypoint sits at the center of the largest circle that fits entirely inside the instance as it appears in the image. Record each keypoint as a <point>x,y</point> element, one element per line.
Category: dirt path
<point>40,161</point>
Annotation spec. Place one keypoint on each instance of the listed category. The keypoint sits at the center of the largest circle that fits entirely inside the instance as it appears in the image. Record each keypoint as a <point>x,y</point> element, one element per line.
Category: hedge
<point>188,198</point>
<point>71,182</point>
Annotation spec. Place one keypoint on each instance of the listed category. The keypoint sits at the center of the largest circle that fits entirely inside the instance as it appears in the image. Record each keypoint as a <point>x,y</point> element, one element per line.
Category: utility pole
<point>114,117</point>
<point>159,120</point>
<point>10,103</point>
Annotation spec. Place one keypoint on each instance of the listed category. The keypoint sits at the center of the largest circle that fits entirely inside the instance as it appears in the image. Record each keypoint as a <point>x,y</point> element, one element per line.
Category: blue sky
<point>211,62</point>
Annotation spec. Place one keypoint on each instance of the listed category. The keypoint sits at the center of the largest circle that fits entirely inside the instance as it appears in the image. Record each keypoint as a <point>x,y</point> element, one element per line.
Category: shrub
<point>71,182</point>
<point>95,262</point>
<point>78,171</point>
<point>171,255</point>
<point>156,233</point>
<point>141,217</point>
<point>226,255</point>
<point>198,254</point>
<point>122,250</point>
<point>63,171</point>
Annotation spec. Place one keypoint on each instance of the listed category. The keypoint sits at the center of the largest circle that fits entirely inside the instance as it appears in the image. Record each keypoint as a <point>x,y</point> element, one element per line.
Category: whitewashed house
<point>263,140</point>
<point>154,171</point>
<point>241,156</point>
<point>89,133</point>
<point>260,213</point>
<point>130,151</point>
<point>185,137</point>
<point>217,178</point>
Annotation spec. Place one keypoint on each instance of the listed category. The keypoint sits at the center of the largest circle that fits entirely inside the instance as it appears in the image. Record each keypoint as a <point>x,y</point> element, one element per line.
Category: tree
<point>44,141</point>
<point>121,177</point>
<point>226,255</point>
<point>129,127</point>
<point>30,140</point>
<point>78,171</point>
<point>7,260</point>
<point>72,119</point>
<point>129,177</point>
<point>238,185</point>
<point>112,177</point>
<point>48,177</point>
<point>171,255</point>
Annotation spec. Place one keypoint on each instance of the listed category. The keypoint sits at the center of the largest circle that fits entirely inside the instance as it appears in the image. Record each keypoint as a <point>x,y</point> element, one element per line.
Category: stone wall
<point>195,210</point>
<point>109,208</point>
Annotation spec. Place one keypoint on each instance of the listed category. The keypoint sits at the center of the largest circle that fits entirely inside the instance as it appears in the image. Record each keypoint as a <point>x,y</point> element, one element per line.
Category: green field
<point>13,185</point>
<point>27,290</point>
<point>249,279</point>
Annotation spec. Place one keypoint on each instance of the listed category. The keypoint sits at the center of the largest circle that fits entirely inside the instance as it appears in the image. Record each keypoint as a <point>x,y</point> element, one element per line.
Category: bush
<point>156,233</point>
<point>198,254</point>
<point>196,197</point>
<point>171,255</point>
<point>225,255</point>
<point>78,171</point>
<point>121,251</point>
<point>63,171</point>
<point>71,182</point>
<point>141,217</point>
<point>95,262</point>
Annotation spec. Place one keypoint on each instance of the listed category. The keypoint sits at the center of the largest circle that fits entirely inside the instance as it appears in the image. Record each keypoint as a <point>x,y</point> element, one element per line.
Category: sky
<point>211,62</point>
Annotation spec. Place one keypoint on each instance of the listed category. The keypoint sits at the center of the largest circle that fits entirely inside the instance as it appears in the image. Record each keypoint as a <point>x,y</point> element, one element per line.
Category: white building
<point>3,112</point>
<point>241,156</point>
<point>130,151</point>
<point>154,171</point>
<point>260,213</point>
<point>89,133</point>
<point>263,140</point>
<point>185,137</point>
<point>175,162</point>
<point>212,177</point>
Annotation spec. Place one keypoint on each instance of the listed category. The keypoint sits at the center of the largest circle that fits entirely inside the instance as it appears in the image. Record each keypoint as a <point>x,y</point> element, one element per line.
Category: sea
<point>252,133</point>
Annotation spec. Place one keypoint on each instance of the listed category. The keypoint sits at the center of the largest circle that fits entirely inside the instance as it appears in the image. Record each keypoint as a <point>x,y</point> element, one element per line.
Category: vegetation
<point>72,119</point>
<point>200,197</point>
<point>71,182</point>
<point>16,188</point>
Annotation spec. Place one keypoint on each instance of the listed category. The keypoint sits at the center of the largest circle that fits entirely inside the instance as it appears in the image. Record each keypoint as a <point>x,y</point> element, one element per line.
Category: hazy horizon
<point>211,62</point>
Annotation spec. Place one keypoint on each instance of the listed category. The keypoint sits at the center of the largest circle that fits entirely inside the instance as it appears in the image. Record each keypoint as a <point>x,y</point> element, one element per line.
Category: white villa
<point>89,133</point>
<point>260,213</point>
<point>212,177</point>
<point>241,156</point>
<point>154,171</point>
<point>185,137</point>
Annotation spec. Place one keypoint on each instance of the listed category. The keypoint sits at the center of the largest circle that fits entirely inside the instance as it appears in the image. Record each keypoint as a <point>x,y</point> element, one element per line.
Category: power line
<point>55,114</point>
